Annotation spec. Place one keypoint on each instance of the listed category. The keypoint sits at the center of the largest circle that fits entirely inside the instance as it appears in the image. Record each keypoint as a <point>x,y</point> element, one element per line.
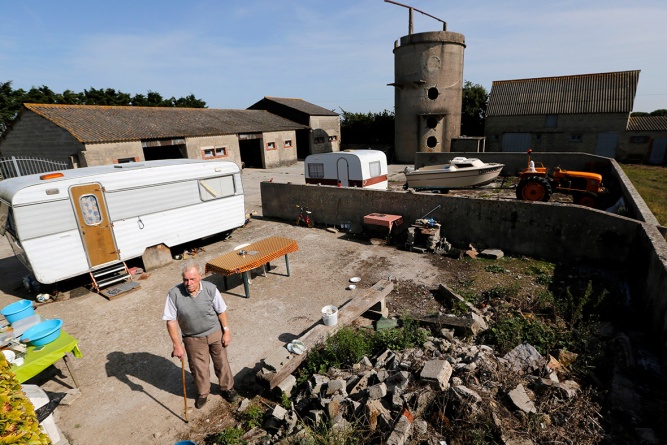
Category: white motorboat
<point>461,172</point>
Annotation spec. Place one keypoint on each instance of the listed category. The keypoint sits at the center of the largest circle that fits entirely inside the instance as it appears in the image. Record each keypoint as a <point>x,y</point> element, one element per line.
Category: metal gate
<point>516,142</point>
<point>14,166</point>
<point>658,151</point>
<point>607,143</point>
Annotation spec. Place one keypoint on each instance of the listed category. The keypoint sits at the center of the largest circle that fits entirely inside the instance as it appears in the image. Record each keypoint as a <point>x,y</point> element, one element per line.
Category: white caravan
<point>68,223</point>
<point>349,168</point>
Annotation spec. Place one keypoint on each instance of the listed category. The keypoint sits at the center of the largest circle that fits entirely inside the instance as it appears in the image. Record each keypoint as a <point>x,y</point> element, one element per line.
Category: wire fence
<point>14,166</point>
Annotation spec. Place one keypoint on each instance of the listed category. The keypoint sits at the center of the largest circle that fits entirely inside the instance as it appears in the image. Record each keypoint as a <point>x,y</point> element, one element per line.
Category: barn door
<point>343,172</point>
<point>94,225</point>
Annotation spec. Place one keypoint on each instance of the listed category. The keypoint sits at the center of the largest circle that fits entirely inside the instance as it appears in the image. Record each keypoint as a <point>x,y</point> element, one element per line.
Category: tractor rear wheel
<point>587,199</point>
<point>534,188</point>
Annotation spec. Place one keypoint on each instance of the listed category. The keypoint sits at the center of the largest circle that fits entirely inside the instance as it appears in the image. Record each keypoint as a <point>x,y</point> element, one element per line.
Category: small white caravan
<point>68,223</point>
<point>349,168</point>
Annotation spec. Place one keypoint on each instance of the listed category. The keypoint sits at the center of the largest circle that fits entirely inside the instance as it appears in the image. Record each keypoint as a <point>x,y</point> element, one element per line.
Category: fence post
<point>16,166</point>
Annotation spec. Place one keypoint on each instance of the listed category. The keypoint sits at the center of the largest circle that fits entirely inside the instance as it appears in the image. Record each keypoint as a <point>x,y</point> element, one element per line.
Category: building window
<point>375,168</point>
<point>431,142</point>
<point>288,143</point>
<point>126,160</point>
<point>333,138</point>
<point>576,137</point>
<point>638,139</point>
<point>213,152</point>
<point>270,145</point>
<point>433,93</point>
<point>551,121</point>
<point>319,139</point>
<point>316,170</point>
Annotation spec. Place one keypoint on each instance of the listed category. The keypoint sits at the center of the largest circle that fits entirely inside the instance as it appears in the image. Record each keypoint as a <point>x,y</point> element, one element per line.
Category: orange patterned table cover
<point>258,254</point>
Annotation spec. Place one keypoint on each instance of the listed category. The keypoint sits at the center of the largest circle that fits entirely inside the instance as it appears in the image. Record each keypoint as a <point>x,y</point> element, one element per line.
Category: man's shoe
<point>201,401</point>
<point>230,395</point>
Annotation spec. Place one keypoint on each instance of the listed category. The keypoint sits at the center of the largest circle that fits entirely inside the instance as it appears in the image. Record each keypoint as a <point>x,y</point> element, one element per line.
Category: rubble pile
<point>448,389</point>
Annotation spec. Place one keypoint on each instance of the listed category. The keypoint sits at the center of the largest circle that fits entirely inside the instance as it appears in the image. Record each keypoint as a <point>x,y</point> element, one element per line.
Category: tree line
<point>11,100</point>
<point>356,128</point>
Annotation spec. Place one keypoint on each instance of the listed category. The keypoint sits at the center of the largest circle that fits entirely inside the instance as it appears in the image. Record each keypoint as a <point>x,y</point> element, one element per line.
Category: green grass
<point>651,183</point>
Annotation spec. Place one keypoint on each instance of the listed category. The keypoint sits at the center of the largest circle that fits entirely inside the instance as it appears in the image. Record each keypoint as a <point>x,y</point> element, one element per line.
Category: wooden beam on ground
<point>281,363</point>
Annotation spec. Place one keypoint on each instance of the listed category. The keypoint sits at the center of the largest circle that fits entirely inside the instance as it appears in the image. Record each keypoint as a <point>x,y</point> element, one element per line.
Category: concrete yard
<point>131,389</point>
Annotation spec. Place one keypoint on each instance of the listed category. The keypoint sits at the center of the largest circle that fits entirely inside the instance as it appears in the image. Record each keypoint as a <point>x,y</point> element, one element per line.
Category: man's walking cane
<point>185,397</point>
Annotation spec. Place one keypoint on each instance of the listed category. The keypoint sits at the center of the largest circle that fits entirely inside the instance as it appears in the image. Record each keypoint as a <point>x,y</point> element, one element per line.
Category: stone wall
<point>551,231</point>
<point>281,154</point>
<point>32,135</point>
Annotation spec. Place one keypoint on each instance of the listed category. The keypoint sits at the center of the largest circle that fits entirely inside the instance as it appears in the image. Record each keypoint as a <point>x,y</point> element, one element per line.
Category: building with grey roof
<point>323,132</point>
<point>87,135</point>
<point>587,113</point>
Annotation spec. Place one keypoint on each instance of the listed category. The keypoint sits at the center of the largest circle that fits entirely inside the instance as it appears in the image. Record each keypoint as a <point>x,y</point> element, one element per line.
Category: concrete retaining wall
<point>550,231</point>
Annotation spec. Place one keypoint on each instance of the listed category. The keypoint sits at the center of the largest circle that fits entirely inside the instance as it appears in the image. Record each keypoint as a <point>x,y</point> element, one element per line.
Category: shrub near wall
<point>18,422</point>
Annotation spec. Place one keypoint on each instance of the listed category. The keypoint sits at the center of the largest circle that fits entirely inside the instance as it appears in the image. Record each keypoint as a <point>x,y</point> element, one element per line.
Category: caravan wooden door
<point>94,225</point>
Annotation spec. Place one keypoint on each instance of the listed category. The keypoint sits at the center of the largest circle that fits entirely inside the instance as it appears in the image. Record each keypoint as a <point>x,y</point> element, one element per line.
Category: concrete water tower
<point>428,90</point>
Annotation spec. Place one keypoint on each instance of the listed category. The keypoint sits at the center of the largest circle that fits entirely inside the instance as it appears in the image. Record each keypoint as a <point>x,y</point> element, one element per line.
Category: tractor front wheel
<point>534,188</point>
<point>587,199</point>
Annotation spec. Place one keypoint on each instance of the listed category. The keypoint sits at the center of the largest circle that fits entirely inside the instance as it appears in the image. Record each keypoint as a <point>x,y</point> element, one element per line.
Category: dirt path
<point>131,389</point>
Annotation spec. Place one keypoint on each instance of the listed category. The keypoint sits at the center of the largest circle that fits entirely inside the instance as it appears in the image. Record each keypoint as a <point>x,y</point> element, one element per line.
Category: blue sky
<point>335,53</point>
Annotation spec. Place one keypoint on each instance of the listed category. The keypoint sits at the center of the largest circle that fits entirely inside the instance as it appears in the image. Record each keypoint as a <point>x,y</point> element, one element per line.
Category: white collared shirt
<point>170,312</point>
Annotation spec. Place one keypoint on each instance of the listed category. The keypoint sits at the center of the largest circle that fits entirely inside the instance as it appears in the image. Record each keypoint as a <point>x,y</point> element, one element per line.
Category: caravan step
<point>111,280</point>
<point>119,289</point>
<point>109,270</point>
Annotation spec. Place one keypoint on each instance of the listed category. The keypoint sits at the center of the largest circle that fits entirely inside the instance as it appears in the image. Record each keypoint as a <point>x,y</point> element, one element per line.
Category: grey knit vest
<point>196,316</point>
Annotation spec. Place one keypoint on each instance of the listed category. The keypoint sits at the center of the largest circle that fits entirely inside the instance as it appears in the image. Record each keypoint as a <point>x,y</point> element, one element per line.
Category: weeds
<point>349,346</point>
<point>230,436</point>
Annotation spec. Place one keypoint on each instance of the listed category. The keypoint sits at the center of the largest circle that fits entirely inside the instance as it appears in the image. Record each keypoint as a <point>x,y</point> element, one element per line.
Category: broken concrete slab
<point>452,296</point>
<point>524,358</point>
<point>494,254</point>
<point>520,398</point>
<point>437,372</point>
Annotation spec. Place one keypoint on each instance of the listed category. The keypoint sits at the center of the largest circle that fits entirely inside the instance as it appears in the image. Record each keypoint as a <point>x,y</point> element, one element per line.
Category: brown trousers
<point>199,350</point>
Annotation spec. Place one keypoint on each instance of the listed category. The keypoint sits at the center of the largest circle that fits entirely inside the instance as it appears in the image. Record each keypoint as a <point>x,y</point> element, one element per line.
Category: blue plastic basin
<point>185,442</point>
<point>18,310</point>
<point>42,333</point>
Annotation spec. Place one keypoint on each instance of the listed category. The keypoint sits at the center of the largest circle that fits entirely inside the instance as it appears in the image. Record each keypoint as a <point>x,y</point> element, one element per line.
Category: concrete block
<point>401,432</point>
<point>524,358</point>
<point>335,386</point>
<point>397,382</point>
<point>437,372</point>
<point>377,391</point>
<point>279,412</point>
<point>316,382</point>
<point>287,385</point>
<point>494,254</point>
<point>156,256</point>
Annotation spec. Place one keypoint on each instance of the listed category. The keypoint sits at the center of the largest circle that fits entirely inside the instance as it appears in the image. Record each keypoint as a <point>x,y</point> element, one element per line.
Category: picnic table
<point>37,358</point>
<point>252,256</point>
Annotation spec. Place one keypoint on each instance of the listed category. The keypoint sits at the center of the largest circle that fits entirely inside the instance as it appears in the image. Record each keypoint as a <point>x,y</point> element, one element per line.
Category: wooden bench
<point>281,363</point>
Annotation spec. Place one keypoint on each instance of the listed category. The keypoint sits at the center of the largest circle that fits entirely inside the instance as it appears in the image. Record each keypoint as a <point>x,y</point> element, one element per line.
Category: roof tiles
<point>96,124</point>
<point>588,93</point>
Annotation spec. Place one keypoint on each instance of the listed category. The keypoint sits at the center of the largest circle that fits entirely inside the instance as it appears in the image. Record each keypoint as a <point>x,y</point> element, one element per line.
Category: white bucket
<point>330,315</point>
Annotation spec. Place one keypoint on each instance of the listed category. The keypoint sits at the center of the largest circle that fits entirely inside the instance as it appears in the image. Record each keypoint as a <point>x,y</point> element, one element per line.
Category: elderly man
<point>196,308</point>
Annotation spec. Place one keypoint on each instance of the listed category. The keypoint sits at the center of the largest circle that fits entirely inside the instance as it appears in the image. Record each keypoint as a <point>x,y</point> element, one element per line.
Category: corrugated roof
<point>587,93</point>
<point>94,123</point>
<point>303,106</point>
<point>647,123</point>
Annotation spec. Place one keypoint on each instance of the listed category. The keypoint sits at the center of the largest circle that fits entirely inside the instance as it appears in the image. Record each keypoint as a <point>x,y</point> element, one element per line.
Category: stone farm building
<point>582,113</point>
<point>323,132</point>
<point>88,135</point>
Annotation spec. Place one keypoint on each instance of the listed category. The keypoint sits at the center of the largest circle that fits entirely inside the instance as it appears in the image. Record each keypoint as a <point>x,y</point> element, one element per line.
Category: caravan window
<point>90,210</point>
<point>316,170</point>
<point>376,168</point>
<point>215,188</point>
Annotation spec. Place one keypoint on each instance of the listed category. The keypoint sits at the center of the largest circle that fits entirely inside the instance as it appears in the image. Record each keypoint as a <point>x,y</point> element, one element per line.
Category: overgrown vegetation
<point>651,183</point>
<point>349,346</point>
